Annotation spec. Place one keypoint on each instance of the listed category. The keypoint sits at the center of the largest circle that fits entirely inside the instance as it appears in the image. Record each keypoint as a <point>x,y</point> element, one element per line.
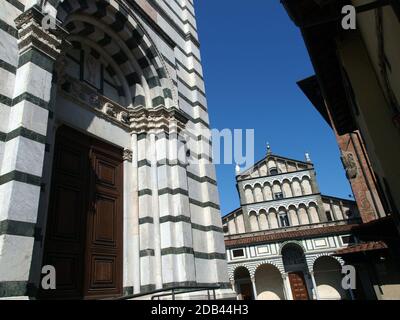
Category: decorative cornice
<point>156,119</point>
<point>89,98</point>
<point>31,34</point>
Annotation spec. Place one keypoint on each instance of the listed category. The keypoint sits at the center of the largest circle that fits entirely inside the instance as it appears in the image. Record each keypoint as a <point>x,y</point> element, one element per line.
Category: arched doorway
<point>295,265</point>
<point>244,287</point>
<point>328,278</point>
<point>269,283</point>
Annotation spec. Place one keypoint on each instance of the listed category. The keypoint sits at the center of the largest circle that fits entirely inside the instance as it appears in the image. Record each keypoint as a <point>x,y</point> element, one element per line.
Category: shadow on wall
<point>328,277</point>
<point>269,283</point>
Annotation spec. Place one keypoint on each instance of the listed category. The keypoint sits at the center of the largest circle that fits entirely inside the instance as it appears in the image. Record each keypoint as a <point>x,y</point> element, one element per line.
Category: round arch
<point>103,22</point>
<point>328,278</point>
<point>269,282</point>
<point>243,285</point>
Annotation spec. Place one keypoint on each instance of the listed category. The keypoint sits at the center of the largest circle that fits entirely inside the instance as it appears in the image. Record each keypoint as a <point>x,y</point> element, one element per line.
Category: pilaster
<point>24,148</point>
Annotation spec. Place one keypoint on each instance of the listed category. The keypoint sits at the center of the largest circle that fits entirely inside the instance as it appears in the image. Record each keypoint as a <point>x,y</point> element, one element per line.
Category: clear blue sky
<point>252,56</point>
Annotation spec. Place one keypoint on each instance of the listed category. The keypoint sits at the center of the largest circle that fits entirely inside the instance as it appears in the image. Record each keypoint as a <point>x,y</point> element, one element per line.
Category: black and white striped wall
<point>172,226</point>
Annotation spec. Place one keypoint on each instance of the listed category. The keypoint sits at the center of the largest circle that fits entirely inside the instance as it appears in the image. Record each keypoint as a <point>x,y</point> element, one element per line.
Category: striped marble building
<point>104,165</point>
<point>282,243</point>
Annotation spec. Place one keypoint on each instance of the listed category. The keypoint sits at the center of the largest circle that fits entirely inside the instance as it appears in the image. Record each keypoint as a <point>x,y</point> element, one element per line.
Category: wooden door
<point>84,226</point>
<point>246,290</point>
<point>298,285</point>
<point>104,240</point>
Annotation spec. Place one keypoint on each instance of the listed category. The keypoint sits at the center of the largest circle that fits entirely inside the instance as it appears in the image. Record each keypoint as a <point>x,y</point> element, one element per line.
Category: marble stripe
<point>13,288</point>
<point>20,177</point>
<point>17,228</point>
<point>8,67</point>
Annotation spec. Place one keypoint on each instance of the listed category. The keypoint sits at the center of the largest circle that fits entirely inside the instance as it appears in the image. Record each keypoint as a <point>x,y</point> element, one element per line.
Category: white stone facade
<point>282,214</point>
<point>149,90</point>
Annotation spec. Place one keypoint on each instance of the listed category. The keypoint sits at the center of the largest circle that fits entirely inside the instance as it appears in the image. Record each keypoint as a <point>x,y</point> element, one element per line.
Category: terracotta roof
<point>286,235</point>
<point>362,247</point>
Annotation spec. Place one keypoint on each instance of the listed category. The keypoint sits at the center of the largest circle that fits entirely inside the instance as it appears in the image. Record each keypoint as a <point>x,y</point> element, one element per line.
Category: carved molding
<point>88,97</point>
<point>138,120</point>
<point>31,34</point>
<point>156,119</point>
<point>128,155</point>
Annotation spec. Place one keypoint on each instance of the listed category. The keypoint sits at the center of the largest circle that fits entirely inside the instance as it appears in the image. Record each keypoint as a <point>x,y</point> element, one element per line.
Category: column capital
<point>128,155</point>
<point>37,30</point>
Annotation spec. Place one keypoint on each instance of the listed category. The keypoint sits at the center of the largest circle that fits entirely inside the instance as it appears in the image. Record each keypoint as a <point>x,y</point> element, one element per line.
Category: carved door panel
<point>298,285</point>
<point>104,240</point>
<point>83,239</point>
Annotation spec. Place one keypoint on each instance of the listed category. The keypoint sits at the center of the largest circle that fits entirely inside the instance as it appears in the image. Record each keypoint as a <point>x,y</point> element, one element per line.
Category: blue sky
<point>253,55</point>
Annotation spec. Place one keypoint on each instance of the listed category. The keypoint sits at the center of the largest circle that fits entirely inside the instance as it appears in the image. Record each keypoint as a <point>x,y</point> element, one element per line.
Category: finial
<point>237,169</point>
<point>308,159</point>
<point>268,148</point>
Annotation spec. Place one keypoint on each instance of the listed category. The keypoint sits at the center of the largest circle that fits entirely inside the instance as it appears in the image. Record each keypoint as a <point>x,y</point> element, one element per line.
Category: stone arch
<point>286,188</point>
<point>273,219</point>
<point>283,217</point>
<point>267,190</point>
<point>313,212</point>
<point>316,257</point>
<point>264,262</point>
<point>269,282</point>
<point>243,286</point>
<point>296,185</point>
<point>143,66</point>
<point>258,193</point>
<point>263,219</point>
<point>276,188</point>
<point>292,211</point>
<point>306,185</point>
<point>253,221</point>
<point>291,242</point>
<point>248,193</point>
<point>238,268</point>
<point>294,258</point>
<point>303,214</point>
<point>328,278</point>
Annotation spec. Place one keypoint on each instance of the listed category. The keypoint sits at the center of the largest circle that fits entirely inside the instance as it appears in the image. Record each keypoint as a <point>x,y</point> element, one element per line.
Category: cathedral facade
<point>282,241</point>
<point>104,166</point>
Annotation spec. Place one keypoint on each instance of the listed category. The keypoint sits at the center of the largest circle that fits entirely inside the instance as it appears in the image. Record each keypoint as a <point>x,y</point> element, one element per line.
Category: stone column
<point>286,287</point>
<point>24,150</point>
<point>315,288</point>
<point>309,216</point>
<point>234,288</point>
<point>129,229</point>
<point>253,283</point>
<point>334,216</point>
